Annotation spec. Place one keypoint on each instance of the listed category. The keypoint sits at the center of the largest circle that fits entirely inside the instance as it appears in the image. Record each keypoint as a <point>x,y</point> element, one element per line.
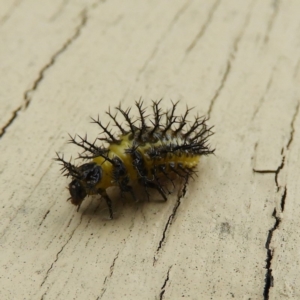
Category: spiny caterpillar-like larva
<point>149,149</point>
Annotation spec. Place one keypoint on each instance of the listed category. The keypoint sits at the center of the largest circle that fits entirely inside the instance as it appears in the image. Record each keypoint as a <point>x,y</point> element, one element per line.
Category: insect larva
<point>145,151</point>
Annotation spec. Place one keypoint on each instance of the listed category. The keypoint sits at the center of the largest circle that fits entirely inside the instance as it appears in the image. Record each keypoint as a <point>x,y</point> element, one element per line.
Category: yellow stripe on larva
<point>187,160</point>
<point>107,167</point>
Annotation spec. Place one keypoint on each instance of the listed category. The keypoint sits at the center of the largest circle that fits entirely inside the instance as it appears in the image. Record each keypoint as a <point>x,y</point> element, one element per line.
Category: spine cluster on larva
<point>147,149</point>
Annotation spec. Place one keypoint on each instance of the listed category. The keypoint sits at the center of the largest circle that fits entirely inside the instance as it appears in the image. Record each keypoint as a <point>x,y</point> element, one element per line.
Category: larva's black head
<point>84,182</point>
<point>77,192</point>
<point>85,179</point>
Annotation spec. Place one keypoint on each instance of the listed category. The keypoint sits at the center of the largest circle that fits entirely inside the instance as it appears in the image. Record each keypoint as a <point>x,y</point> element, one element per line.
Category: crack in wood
<point>10,121</point>
<point>58,254</point>
<point>59,11</point>
<point>56,259</point>
<point>10,12</point>
<point>291,138</point>
<point>15,212</point>
<point>264,171</point>
<point>282,203</point>
<point>65,46</point>
<point>170,222</point>
<point>229,62</point>
<point>221,86</point>
<point>163,288</point>
<point>293,126</point>
<point>204,27</point>
<point>275,5</point>
<point>45,216</point>
<point>28,93</point>
<point>269,279</point>
<point>276,172</point>
<point>162,38</point>
<point>263,97</point>
<point>103,290</point>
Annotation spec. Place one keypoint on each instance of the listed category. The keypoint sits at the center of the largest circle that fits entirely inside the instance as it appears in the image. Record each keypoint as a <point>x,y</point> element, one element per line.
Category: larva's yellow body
<point>187,160</point>
<point>113,151</point>
<point>142,154</point>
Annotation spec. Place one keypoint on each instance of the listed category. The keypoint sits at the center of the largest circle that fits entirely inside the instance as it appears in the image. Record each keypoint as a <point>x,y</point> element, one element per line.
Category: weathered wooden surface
<point>235,233</point>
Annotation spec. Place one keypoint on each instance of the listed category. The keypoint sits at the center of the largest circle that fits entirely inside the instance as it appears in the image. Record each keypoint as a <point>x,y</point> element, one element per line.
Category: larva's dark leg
<point>152,185</point>
<point>159,188</point>
<point>132,194</point>
<point>139,164</point>
<point>185,176</point>
<point>189,172</point>
<point>125,188</point>
<point>108,202</point>
<point>154,171</point>
<point>162,169</point>
<point>143,182</point>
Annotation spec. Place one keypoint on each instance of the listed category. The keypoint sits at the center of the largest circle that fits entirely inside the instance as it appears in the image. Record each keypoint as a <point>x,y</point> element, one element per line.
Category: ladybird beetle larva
<point>145,151</point>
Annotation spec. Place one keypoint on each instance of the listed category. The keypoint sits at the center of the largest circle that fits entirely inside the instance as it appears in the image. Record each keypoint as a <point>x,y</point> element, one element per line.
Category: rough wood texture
<point>235,233</point>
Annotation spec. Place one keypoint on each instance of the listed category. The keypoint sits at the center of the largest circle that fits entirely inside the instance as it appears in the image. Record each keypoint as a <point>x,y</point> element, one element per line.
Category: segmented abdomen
<point>162,154</point>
